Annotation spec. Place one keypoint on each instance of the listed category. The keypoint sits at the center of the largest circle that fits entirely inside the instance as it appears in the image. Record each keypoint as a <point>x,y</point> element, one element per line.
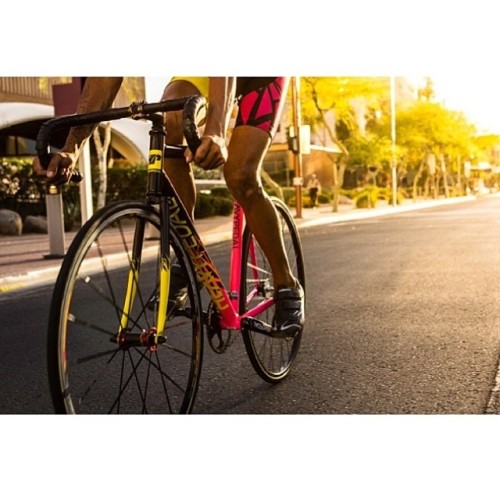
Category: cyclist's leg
<point>258,117</point>
<point>246,152</point>
<point>257,120</point>
<point>178,170</point>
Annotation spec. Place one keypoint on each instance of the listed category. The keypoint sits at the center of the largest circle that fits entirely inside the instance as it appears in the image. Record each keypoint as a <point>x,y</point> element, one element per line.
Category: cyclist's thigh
<point>262,107</point>
<point>259,113</point>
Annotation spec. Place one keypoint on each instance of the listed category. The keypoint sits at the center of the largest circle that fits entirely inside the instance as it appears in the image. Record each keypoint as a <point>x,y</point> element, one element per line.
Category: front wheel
<point>101,358</point>
<point>272,358</point>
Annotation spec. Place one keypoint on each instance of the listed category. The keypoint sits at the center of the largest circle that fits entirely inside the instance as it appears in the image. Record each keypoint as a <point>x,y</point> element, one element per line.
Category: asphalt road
<point>402,318</point>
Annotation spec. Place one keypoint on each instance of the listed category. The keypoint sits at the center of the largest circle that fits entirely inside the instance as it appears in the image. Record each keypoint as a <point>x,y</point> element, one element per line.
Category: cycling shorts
<point>260,99</point>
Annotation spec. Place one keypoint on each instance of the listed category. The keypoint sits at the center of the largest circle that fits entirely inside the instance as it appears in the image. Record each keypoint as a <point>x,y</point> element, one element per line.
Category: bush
<point>324,198</point>
<point>367,198</point>
<point>221,192</point>
<point>124,183</point>
<point>208,205</point>
<point>223,206</point>
<point>131,183</point>
<point>22,191</point>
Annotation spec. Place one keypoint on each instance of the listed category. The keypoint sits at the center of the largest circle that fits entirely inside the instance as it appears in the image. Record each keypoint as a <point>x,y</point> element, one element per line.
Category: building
<point>26,102</point>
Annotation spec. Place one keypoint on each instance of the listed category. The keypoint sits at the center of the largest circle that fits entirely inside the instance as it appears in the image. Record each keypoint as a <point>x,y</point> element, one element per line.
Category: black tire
<point>271,358</point>
<point>88,371</point>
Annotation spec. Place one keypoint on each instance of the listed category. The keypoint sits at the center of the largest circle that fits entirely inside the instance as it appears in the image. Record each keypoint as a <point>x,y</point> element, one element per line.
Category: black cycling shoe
<point>288,318</point>
<point>178,293</point>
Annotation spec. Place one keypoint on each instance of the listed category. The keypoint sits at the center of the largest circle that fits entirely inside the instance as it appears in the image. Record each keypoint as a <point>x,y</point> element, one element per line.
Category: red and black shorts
<point>260,102</point>
<point>260,99</point>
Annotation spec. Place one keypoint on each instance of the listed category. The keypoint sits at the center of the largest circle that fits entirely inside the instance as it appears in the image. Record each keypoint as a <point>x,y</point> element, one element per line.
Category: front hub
<point>146,338</point>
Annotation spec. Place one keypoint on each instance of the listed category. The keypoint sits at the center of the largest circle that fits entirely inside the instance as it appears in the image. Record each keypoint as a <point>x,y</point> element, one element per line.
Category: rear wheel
<point>272,358</point>
<point>91,368</point>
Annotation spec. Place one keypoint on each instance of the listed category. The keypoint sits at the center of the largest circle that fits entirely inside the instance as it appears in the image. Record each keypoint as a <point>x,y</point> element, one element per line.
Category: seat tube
<point>236,255</point>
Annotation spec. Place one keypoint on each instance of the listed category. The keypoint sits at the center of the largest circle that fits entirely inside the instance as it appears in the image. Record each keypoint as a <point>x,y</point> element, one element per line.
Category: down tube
<point>203,265</point>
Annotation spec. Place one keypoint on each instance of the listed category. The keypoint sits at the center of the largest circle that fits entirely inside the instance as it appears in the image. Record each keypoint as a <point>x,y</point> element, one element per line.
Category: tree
<point>427,132</point>
<point>102,149</point>
<point>340,107</point>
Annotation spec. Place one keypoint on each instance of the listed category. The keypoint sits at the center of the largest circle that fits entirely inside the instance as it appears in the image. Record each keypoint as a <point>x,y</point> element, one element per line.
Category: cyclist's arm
<point>97,94</point>
<point>212,152</point>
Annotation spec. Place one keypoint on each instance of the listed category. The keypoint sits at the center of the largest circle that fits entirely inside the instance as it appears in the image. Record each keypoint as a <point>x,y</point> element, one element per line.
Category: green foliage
<point>370,149</point>
<point>429,127</point>
<point>321,94</point>
<point>355,113</point>
<point>324,198</point>
<point>367,197</point>
<point>131,183</point>
<point>221,191</point>
<point>208,205</point>
<point>127,182</point>
<point>22,191</point>
<point>288,193</point>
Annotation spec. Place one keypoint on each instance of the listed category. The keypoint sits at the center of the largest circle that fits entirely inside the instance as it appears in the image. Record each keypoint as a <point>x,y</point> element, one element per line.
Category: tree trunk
<point>102,162</point>
<point>338,180</point>
<point>445,178</point>
<point>416,179</point>
<point>338,168</point>
<point>267,179</point>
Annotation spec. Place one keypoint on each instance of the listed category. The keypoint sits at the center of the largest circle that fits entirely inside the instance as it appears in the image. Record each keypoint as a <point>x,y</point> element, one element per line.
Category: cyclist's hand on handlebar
<point>59,170</point>
<point>211,153</point>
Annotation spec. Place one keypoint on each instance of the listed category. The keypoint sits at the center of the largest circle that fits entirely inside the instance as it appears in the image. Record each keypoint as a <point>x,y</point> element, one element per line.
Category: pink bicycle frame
<point>230,317</point>
<point>227,303</point>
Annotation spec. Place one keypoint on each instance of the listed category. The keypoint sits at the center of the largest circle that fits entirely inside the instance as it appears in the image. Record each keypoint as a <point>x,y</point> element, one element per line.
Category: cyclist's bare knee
<point>173,119</point>
<point>246,150</point>
<point>243,183</point>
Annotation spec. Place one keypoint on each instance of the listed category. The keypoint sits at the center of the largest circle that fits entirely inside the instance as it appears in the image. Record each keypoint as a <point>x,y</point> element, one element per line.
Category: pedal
<point>256,325</point>
<point>259,326</point>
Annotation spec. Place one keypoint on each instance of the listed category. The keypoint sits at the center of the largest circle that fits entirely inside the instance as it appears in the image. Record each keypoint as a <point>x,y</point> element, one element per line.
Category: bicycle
<point>114,344</point>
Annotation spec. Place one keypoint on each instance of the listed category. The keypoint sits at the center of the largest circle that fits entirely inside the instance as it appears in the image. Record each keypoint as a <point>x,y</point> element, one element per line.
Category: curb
<point>381,212</point>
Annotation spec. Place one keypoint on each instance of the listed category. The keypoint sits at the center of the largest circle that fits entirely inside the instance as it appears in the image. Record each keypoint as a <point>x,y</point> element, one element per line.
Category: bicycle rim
<point>89,372</point>
<point>271,358</point>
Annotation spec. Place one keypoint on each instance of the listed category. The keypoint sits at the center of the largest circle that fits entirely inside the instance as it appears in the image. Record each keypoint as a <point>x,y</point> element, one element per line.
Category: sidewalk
<point>23,261</point>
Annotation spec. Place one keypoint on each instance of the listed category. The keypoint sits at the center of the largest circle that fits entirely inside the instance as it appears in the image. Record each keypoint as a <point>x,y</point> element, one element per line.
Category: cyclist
<point>260,102</point>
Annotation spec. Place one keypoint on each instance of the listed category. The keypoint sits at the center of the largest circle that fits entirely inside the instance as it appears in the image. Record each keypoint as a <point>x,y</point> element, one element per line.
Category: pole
<point>86,184</point>
<point>297,181</point>
<point>394,172</point>
<point>55,222</point>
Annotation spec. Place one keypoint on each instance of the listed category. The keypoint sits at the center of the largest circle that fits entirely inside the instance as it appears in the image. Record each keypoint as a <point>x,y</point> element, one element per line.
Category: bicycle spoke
<point>89,326</point>
<point>132,265</point>
<point>94,381</point>
<point>108,280</point>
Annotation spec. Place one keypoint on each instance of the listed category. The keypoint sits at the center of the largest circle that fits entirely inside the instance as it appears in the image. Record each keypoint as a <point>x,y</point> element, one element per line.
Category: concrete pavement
<point>24,262</point>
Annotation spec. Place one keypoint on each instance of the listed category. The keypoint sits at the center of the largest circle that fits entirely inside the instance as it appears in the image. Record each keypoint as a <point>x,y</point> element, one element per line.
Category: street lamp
<point>297,180</point>
<point>393,143</point>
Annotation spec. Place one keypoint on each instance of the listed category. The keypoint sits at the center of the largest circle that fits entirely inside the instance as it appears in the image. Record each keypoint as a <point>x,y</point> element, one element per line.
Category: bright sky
<point>477,96</point>
<point>154,87</point>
